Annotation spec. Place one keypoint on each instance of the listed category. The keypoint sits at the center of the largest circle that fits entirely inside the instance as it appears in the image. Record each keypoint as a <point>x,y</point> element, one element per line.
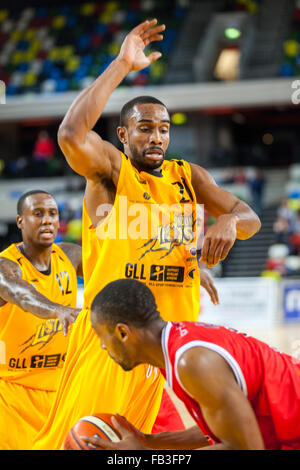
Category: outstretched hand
<point>207,282</point>
<point>67,316</point>
<point>132,49</point>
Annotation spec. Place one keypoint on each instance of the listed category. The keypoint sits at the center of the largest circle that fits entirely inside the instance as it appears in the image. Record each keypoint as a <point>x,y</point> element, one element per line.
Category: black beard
<point>139,160</point>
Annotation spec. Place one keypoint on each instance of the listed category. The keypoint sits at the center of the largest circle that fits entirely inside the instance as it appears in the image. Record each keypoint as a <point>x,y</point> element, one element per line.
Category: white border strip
<point>102,426</point>
<point>164,343</point>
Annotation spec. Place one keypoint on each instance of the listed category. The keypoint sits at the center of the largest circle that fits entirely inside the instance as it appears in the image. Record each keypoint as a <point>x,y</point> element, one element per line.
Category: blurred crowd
<point>284,253</point>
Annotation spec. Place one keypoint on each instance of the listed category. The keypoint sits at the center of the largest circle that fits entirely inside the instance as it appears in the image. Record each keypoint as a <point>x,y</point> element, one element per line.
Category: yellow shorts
<point>23,413</point>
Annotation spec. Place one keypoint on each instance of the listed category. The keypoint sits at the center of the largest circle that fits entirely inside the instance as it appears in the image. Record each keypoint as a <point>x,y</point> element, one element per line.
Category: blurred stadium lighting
<point>232,33</point>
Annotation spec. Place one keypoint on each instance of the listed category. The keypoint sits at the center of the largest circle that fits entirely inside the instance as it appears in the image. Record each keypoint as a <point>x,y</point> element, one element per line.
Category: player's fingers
<point>153,31</point>
<point>98,442</point>
<point>122,419</point>
<point>65,327</point>
<point>216,256</point>
<point>122,429</point>
<point>205,250</point>
<point>154,56</point>
<point>156,37</point>
<point>73,316</point>
<point>127,424</point>
<point>227,247</point>
<point>213,294</point>
<point>142,27</point>
<point>207,283</point>
<point>210,248</point>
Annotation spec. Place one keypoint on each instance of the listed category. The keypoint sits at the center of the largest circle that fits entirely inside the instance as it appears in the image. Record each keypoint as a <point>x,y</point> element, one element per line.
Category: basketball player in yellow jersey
<point>38,291</point>
<point>117,244</point>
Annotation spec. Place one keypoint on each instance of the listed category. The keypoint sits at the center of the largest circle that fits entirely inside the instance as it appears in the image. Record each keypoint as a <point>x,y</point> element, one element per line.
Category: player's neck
<point>39,257</point>
<point>152,345</point>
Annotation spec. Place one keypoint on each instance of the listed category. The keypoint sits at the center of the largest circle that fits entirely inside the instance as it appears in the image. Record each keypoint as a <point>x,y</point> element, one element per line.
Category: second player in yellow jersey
<point>38,294</point>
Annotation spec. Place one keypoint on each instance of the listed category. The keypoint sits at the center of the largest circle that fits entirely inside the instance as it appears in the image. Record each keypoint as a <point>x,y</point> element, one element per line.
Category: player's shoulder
<point>9,267</point>
<point>196,172</point>
<point>8,251</point>
<point>10,259</point>
<point>176,162</point>
<point>72,251</point>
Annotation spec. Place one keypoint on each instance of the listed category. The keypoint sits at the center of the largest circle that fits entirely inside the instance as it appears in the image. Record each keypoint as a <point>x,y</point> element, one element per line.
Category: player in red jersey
<point>242,393</point>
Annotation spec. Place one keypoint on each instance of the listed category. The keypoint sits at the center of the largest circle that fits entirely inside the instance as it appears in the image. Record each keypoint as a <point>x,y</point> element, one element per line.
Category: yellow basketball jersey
<point>32,350</point>
<point>164,258</point>
<point>149,235</point>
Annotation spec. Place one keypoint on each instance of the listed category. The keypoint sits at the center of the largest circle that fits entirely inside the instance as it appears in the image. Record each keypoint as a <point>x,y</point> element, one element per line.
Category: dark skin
<point>145,139</point>
<point>205,375</point>
<point>38,223</point>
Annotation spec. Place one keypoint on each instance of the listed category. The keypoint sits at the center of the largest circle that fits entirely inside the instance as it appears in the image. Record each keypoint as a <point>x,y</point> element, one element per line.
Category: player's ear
<point>19,221</point>
<point>122,134</point>
<point>122,332</point>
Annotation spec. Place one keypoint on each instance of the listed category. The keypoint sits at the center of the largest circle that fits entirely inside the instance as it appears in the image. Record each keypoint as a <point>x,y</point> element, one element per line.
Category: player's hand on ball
<point>128,441</point>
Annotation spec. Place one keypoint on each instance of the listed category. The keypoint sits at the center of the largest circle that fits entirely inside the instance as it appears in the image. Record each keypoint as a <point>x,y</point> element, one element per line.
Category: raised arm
<point>85,151</point>
<point>21,293</point>
<point>234,218</point>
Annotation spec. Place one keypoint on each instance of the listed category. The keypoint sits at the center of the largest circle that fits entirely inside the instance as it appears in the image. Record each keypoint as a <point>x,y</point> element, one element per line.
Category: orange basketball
<point>99,424</point>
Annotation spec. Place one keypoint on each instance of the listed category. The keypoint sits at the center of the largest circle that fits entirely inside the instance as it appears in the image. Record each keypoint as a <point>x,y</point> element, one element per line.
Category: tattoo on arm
<point>15,290</point>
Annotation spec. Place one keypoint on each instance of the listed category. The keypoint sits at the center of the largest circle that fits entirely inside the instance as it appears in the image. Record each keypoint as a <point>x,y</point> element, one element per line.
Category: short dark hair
<point>127,108</point>
<point>22,199</point>
<point>125,301</point>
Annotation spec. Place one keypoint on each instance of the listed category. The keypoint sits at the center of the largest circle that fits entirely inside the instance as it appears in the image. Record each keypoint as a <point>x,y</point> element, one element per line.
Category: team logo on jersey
<point>158,273</point>
<point>44,333</point>
<point>146,196</point>
<point>171,235</point>
<point>166,273</point>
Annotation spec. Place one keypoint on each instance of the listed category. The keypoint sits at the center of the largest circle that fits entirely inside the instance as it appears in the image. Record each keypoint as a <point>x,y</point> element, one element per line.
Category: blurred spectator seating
<point>291,47</point>
<point>284,254</point>
<point>64,48</point>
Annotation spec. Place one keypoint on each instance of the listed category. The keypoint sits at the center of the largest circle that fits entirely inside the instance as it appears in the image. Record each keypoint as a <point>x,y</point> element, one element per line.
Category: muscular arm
<point>84,149</point>
<point>15,290</point>
<point>234,218</point>
<point>210,381</point>
<point>219,202</point>
<point>74,253</point>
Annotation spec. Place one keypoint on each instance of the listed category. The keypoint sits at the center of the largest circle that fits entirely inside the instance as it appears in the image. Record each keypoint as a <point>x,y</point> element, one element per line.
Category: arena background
<point>228,76</point>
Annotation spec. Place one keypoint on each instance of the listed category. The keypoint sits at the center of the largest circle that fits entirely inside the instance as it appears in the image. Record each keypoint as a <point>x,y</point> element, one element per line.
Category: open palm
<point>132,49</point>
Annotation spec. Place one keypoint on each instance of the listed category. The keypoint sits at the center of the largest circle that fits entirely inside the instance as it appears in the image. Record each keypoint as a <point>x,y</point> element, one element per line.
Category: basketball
<point>99,424</point>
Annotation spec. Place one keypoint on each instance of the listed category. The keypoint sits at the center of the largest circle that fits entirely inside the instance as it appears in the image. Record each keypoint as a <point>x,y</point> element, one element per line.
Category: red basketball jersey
<point>268,378</point>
